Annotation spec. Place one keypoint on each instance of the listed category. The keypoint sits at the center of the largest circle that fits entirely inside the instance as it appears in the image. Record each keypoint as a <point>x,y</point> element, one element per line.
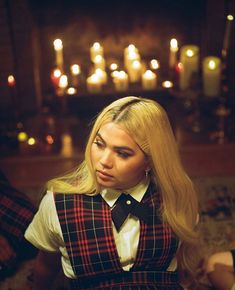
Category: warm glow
<point>11,81</point>
<point>167,84</point>
<point>113,66</point>
<point>122,75</point>
<point>149,74</point>
<point>94,78</point>
<point>189,53</point>
<point>136,64</point>
<point>49,139</point>
<point>71,91</point>
<point>131,47</point>
<point>174,44</point>
<point>96,46</point>
<point>115,74</point>
<point>75,69</point>
<point>57,73</point>
<point>63,83</point>
<point>22,136</point>
<point>154,64</point>
<point>211,65</point>
<point>58,45</point>
<point>31,141</point>
<point>230,17</point>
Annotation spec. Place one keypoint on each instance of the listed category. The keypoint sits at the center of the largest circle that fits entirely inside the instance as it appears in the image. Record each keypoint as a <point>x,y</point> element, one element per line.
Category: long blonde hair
<point>148,124</point>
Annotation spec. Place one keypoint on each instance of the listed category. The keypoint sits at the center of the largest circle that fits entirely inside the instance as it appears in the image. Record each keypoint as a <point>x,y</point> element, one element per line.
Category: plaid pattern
<point>16,212</point>
<point>87,229</point>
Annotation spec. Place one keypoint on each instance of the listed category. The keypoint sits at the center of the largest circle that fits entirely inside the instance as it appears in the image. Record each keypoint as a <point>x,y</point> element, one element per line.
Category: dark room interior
<point>44,123</point>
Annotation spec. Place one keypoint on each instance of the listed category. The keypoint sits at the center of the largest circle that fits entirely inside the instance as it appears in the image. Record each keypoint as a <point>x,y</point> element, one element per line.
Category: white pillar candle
<point>149,80</point>
<point>75,71</point>
<point>189,59</point>
<point>102,75</point>
<point>99,62</point>
<point>211,76</point>
<point>134,71</point>
<point>95,50</point>
<point>58,47</point>
<point>121,81</point>
<point>173,53</point>
<point>94,84</point>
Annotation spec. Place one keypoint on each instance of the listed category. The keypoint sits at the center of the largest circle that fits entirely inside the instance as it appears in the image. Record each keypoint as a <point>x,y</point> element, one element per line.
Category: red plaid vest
<point>87,230</point>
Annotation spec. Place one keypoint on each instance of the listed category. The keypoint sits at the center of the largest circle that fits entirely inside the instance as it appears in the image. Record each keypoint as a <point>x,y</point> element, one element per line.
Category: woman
<point>131,150</point>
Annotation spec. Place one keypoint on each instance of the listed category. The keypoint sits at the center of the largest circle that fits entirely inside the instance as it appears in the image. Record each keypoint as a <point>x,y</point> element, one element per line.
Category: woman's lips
<point>103,174</point>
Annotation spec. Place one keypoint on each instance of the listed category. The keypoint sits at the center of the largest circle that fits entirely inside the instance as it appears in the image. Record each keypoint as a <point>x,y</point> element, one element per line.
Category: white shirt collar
<point>137,192</point>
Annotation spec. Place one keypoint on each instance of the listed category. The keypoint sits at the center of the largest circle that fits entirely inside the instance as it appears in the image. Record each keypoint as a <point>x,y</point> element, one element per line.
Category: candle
<point>167,84</point>
<point>63,83</point>
<point>134,71</point>
<point>99,62</point>
<point>131,54</point>
<point>94,84</point>
<point>75,71</point>
<point>67,145</point>
<point>58,47</point>
<point>227,35</point>
<point>154,64</point>
<point>55,77</point>
<point>11,81</point>
<point>102,75</point>
<point>121,81</point>
<point>95,50</point>
<point>173,53</point>
<point>189,59</point>
<point>211,76</point>
<point>149,80</point>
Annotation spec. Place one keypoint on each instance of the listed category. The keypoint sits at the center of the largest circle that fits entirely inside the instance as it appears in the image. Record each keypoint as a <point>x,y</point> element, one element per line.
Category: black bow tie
<point>125,205</point>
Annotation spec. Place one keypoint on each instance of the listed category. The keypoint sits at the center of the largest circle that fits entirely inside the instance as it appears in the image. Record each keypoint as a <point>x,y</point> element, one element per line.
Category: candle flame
<point>58,45</point>
<point>113,66</point>
<point>63,83</point>
<point>174,44</point>
<point>212,64</point>
<point>11,80</point>
<point>154,64</point>
<point>57,73</point>
<point>71,91</point>
<point>189,53</point>
<point>31,141</point>
<point>167,84</point>
<point>96,45</point>
<point>75,69</point>
<point>230,17</point>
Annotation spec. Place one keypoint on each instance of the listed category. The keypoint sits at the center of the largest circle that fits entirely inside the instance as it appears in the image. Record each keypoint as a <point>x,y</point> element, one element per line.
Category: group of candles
<point>136,70</point>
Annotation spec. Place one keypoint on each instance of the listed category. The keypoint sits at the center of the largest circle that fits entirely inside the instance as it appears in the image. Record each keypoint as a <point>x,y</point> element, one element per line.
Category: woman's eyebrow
<point>115,147</point>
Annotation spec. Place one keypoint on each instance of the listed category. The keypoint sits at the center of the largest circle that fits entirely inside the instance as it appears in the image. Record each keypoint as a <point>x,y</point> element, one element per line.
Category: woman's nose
<point>106,159</point>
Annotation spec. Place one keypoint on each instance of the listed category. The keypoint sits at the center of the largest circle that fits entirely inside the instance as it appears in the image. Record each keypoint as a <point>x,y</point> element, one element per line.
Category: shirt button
<point>128,202</point>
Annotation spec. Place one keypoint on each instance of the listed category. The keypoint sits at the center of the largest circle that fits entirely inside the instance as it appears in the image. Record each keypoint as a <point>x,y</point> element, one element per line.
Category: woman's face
<point>118,161</point>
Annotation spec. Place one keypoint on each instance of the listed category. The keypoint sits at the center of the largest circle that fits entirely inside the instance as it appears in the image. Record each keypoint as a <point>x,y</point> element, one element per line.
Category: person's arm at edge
<point>47,266</point>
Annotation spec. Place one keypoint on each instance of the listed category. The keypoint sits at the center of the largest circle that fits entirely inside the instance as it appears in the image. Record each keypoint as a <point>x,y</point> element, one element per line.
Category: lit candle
<point>154,64</point>
<point>121,81</point>
<point>189,59</point>
<point>95,50</point>
<point>63,83</point>
<point>11,81</point>
<point>173,53</point>
<point>211,76</point>
<point>149,80</point>
<point>131,54</point>
<point>58,47</point>
<point>99,62</point>
<point>227,35</point>
<point>167,84</point>
<point>94,84</point>
<point>75,71</point>
<point>55,77</point>
<point>102,75</point>
<point>134,71</point>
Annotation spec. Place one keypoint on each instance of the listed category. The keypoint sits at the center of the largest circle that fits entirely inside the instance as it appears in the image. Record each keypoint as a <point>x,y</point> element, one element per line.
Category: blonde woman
<point>125,219</point>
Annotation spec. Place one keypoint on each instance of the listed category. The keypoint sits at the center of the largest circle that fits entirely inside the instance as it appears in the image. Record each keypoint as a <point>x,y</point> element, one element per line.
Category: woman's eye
<point>98,143</point>
<point>123,155</point>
